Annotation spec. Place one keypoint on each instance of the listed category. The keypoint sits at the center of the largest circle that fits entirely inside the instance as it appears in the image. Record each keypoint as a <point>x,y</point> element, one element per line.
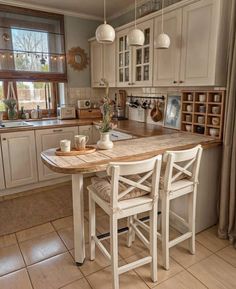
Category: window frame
<point>36,76</point>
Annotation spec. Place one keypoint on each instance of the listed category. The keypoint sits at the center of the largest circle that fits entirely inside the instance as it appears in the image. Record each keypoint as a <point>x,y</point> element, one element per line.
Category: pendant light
<point>135,36</point>
<point>163,40</point>
<point>105,33</point>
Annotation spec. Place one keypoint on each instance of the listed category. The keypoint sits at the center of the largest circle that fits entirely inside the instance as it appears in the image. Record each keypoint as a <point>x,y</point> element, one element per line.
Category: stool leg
<point>165,210</point>
<point>92,227</point>
<point>130,231</point>
<point>191,219</point>
<point>114,251</point>
<point>153,242</point>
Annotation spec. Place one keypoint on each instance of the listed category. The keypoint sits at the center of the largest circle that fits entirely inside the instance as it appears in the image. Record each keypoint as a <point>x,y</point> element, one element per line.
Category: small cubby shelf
<point>206,113</point>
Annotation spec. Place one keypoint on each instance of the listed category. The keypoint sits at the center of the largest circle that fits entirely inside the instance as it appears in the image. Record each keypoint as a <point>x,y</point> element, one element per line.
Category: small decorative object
<point>216,98</point>
<point>202,97</point>
<point>202,108</point>
<point>77,58</point>
<point>106,124</point>
<point>163,40</point>
<point>190,97</point>
<point>201,119</point>
<point>135,36</point>
<point>200,129</point>
<point>215,121</point>
<point>6,37</point>
<point>188,127</point>
<point>215,109</point>
<point>22,113</point>
<point>81,141</point>
<point>39,111</point>
<point>172,113</point>
<point>188,118</point>
<point>214,132</point>
<point>156,113</point>
<point>189,108</point>
<point>11,102</point>
<point>65,145</point>
<point>105,33</point>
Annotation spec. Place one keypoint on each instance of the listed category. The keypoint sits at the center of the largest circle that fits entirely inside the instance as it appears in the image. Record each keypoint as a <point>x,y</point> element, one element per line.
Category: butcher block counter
<point>138,149</point>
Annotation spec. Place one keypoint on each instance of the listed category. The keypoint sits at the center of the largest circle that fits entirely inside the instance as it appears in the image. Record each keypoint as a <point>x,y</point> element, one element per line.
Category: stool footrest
<point>134,265</point>
<point>180,239</point>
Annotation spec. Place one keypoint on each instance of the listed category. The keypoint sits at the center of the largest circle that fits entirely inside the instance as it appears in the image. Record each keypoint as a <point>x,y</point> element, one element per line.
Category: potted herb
<point>10,105</point>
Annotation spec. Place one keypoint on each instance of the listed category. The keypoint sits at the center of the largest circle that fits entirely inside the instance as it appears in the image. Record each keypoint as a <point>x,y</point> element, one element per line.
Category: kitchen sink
<point>45,122</point>
<point>12,124</point>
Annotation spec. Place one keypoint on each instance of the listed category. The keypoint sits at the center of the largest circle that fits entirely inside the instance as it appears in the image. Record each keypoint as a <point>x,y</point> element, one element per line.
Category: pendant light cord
<point>104,7</point>
<point>162,17</point>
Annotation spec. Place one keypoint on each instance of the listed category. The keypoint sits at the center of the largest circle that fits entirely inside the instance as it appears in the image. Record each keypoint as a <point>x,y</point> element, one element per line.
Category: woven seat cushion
<point>102,187</point>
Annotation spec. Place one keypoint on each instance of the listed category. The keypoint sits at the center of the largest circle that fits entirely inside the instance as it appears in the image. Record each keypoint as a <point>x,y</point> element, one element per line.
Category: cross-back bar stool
<point>124,193</point>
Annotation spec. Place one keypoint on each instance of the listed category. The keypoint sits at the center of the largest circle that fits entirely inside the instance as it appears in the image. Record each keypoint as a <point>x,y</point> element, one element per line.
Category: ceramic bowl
<point>188,127</point>
<point>215,121</point>
<point>214,132</point>
<point>215,109</point>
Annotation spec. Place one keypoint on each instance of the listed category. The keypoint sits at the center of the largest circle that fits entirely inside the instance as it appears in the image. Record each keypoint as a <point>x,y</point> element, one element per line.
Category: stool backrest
<point>120,172</point>
<point>182,165</point>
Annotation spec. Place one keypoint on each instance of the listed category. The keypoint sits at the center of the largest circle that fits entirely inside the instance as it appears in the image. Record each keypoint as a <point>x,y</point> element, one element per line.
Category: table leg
<point>78,216</point>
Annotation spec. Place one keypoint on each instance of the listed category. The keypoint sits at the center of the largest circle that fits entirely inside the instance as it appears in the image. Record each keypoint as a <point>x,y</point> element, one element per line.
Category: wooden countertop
<point>127,150</point>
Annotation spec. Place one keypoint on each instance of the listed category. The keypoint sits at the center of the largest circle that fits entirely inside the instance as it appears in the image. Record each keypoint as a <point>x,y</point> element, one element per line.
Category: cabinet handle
<point>174,81</point>
<point>181,81</point>
<point>129,83</point>
<point>4,138</point>
<point>57,130</point>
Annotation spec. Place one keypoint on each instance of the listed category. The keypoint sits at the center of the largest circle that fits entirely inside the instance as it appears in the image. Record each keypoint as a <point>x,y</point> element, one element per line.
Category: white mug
<point>65,145</point>
<point>216,98</point>
<point>81,141</point>
<point>189,108</point>
<point>202,97</point>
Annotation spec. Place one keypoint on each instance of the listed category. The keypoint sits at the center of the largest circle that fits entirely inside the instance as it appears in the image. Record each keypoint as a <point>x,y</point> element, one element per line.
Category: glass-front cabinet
<point>135,63</point>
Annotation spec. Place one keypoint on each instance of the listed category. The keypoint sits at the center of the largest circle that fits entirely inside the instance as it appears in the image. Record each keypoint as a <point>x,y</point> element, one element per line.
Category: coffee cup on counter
<point>214,132</point>
<point>65,145</point>
<point>188,118</point>
<point>189,108</point>
<point>202,108</point>
<point>201,119</point>
<point>215,121</point>
<point>81,141</point>
<point>202,97</point>
<point>215,110</point>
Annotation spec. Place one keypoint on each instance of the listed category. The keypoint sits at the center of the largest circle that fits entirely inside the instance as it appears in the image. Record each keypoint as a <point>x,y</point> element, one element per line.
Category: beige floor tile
<point>182,280</point>
<point>181,254</point>
<point>8,240</point>
<point>103,280</point>
<point>215,273</point>
<point>10,259</point>
<point>144,271</point>
<point>63,223</point>
<point>16,280</point>
<point>54,273</point>
<point>80,284</point>
<point>34,232</point>
<point>67,235</point>
<point>41,248</point>
<point>209,239</point>
<point>228,254</point>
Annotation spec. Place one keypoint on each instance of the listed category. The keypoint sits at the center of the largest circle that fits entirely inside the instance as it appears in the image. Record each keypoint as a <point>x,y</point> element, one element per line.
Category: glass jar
<point>12,113</point>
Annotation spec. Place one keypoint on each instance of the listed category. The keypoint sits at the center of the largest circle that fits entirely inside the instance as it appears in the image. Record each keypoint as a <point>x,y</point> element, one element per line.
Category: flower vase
<point>12,113</point>
<point>104,143</point>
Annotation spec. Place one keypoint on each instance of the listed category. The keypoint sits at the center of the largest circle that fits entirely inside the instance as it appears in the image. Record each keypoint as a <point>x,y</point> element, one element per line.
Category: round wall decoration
<point>77,58</point>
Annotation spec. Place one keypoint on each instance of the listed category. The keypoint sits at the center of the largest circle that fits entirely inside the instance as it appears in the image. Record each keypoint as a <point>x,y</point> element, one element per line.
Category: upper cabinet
<point>193,58</point>
<point>102,64</point>
<point>134,64</point>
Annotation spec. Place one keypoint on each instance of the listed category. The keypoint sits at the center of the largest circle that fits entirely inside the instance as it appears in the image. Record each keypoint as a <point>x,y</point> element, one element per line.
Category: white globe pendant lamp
<point>105,33</point>
<point>135,36</point>
<point>163,40</point>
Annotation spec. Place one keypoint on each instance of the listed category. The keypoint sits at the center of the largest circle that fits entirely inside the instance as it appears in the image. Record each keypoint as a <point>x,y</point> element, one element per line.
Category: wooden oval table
<point>127,150</point>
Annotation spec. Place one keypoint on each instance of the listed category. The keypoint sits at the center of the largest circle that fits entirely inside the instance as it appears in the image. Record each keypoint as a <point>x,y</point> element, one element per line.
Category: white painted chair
<point>126,195</point>
<point>180,178</point>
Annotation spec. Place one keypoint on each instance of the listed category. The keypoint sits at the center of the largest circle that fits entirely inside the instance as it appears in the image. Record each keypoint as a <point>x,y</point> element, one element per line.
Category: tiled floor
<point>42,258</point>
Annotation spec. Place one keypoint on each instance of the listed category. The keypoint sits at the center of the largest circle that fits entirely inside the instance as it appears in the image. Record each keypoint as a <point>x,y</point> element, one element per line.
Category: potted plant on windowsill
<point>106,125</point>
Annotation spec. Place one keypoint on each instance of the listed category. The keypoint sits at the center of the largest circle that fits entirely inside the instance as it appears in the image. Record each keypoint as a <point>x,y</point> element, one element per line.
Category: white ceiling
<point>92,9</point>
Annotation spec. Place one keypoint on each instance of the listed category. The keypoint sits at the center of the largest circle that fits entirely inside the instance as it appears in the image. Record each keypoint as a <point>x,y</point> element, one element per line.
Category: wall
<point>77,33</point>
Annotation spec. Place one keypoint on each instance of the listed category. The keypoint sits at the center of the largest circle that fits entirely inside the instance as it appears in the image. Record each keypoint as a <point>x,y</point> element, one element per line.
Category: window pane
<point>2,106</point>
<point>31,94</point>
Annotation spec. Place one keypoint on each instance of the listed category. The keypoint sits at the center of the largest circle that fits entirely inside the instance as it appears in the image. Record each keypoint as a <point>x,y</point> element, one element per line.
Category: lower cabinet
<point>50,138</point>
<point>19,158</point>
<point>2,182</point>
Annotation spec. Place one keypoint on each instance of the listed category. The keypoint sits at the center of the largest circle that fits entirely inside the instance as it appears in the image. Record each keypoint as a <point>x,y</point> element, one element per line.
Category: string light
<point>24,55</point>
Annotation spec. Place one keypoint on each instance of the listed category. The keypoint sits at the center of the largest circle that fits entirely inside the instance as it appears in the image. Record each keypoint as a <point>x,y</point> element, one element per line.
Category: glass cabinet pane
<point>126,58</point>
<point>147,36</point>
<point>139,56</point>
<point>126,74</point>
<point>121,75</point>
<point>126,43</point>
<point>121,44</point>
<point>138,73</point>
<point>121,63</point>
<point>146,55</point>
<point>146,72</point>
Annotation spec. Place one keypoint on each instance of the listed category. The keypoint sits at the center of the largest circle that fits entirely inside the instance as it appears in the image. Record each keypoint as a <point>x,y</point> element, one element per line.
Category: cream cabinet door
<point>19,158</point>
<point>167,61</point>
<point>96,51</point>
<point>199,42</point>
<point>2,181</point>
<point>50,138</point>
<point>109,63</point>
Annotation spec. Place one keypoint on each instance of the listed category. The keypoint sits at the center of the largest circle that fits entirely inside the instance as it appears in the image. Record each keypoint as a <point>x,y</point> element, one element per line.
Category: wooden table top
<point>127,150</point>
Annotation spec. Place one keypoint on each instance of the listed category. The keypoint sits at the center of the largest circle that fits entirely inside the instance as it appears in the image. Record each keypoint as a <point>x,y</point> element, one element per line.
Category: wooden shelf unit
<point>201,117</point>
